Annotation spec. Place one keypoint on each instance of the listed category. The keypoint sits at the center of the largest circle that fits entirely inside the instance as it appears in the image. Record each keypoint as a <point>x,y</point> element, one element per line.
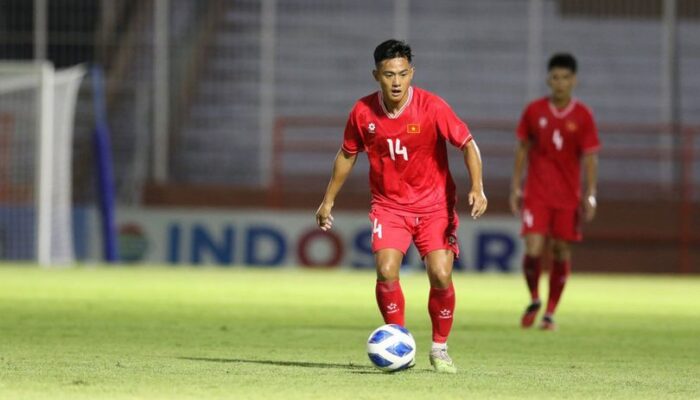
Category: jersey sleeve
<point>522,132</point>
<point>590,143</point>
<point>352,138</point>
<point>450,126</point>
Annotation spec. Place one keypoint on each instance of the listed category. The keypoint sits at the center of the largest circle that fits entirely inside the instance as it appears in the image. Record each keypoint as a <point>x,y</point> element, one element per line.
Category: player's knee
<point>440,276</point>
<point>387,272</point>
<point>534,245</point>
<point>561,250</point>
<point>533,249</point>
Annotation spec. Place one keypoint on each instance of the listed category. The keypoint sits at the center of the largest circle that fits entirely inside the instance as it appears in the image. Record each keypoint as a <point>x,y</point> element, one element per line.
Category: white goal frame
<point>42,76</point>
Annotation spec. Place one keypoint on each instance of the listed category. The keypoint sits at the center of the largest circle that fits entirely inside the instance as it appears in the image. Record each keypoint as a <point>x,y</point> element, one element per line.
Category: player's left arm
<point>590,145</point>
<point>457,133</point>
<point>590,173</point>
<point>477,197</point>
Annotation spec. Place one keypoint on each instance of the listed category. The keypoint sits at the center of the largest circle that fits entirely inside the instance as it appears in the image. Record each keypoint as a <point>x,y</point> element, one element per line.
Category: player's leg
<point>390,299</point>
<point>565,230</point>
<point>441,306</point>
<point>532,269</point>
<point>536,221</point>
<point>558,275</point>
<point>388,289</point>
<point>391,237</point>
<point>436,240</point>
<point>441,300</point>
<point>532,263</point>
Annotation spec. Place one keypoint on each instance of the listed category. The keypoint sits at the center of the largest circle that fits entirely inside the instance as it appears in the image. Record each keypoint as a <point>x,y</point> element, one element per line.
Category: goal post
<point>37,107</point>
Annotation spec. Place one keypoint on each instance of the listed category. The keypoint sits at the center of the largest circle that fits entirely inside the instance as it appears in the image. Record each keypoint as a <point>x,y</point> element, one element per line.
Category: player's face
<point>394,77</point>
<point>562,82</point>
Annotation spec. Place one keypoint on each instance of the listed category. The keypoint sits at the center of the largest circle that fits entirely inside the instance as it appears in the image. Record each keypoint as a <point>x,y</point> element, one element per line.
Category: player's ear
<point>375,74</point>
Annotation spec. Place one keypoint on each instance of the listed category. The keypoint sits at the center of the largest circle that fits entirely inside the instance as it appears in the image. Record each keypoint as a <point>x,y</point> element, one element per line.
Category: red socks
<point>391,302</point>
<point>532,268</point>
<point>557,280</point>
<point>441,306</point>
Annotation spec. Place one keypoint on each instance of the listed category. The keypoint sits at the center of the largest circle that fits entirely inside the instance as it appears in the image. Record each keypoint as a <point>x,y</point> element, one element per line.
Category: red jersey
<point>558,140</point>
<point>407,154</point>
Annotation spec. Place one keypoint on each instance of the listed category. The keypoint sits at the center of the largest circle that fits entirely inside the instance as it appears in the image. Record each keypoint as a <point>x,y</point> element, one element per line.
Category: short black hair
<point>392,48</point>
<point>562,60</point>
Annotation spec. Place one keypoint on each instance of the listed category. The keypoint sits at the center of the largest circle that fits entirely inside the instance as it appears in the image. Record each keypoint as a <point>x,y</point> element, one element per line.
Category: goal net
<point>37,106</point>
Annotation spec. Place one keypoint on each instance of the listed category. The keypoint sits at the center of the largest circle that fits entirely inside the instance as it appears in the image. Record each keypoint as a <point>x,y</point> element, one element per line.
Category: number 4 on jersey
<point>377,229</point>
<point>395,149</point>
<point>558,140</point>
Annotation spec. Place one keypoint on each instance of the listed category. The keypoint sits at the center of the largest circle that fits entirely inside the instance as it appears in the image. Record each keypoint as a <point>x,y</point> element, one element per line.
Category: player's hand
<point>324,219</point>
<point>478,201</point>
<point>515,200</point>
<point>589,207</point>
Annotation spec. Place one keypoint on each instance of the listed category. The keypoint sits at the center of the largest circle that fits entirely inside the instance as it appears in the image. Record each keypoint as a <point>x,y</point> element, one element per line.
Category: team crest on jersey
<point>413,128</point>
<point>571,126</point>
<point>371,127</point>
<point>543,122</point>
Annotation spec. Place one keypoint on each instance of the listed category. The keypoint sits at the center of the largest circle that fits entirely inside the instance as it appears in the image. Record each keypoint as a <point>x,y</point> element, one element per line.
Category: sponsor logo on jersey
<point>371,127</point>
<point>413,128</point>
<point>543,122</point>
<point>571,126</point>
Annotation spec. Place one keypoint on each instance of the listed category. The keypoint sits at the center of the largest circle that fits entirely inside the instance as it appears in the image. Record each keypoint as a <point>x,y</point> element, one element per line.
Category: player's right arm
<point>523,135</point>
<point>516,193</point>
<point>342,166</point>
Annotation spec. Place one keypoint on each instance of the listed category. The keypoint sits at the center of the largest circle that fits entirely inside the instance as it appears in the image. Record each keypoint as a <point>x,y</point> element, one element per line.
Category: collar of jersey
<point>562,113</point>
<point>398,113</point>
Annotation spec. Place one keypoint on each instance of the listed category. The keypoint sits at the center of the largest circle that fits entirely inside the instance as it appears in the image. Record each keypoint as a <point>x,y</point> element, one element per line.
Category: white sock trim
<point>439,346</point>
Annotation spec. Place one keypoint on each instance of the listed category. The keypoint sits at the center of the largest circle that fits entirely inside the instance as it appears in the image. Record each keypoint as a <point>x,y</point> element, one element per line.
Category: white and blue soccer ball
<point>391,348</point>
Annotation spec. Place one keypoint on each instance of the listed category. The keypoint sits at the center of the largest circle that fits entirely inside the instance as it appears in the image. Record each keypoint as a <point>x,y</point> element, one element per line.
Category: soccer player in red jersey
<point>404,131</point>
<point>556,135</point>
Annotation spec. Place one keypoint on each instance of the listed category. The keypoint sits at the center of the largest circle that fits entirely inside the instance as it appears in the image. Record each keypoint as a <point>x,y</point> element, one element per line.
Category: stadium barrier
<point>639,164</point>
<point>649,210</point>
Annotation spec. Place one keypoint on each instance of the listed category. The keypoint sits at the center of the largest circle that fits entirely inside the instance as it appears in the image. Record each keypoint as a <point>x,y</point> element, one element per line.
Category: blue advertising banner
<point>18,233</point>
<point>275,239</point>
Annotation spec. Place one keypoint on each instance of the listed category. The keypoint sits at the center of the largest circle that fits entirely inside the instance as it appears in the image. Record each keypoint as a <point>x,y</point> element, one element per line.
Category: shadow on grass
<point>304,364</point>
<point>411,371</point>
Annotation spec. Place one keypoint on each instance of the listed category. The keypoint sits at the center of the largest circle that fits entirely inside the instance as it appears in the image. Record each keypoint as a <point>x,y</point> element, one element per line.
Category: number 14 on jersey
<point>395,149</point>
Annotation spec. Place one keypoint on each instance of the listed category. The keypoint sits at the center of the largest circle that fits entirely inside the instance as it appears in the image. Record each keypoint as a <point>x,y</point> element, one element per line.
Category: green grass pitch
<point>189,333</point>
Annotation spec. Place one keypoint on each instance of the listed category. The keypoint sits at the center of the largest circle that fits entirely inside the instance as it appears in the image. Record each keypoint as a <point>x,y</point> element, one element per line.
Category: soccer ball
<point>391,347</point>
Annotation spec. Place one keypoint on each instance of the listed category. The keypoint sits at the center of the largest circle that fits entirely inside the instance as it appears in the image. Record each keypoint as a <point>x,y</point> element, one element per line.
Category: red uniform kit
<point>413,194</point>
<point>558,140</point>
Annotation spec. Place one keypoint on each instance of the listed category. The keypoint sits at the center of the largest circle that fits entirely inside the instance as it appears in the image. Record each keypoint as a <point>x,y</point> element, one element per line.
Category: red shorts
<point>564,224</point>
<point>429,232</point>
